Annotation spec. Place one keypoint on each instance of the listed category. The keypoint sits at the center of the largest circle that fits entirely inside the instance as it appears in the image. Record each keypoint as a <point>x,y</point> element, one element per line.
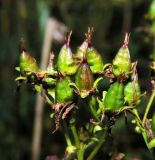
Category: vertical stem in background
<point>37,132</point>
<point>54,31</point>
<point>148,106</point>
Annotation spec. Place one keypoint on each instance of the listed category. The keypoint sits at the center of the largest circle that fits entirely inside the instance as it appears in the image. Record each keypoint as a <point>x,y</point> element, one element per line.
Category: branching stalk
<point>148,106</point>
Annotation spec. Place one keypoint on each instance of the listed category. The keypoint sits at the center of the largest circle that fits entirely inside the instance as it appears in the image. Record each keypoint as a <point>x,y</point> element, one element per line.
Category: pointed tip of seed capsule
<point>89,35</point>
<point>67,38</point>
<point>126,40</point>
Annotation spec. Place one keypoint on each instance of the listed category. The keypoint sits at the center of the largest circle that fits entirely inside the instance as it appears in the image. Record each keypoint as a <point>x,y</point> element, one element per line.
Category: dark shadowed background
<point>27,19</point>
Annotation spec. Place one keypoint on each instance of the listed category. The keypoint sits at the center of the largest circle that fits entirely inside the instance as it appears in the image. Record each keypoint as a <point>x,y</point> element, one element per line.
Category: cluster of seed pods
<point>76,76</point>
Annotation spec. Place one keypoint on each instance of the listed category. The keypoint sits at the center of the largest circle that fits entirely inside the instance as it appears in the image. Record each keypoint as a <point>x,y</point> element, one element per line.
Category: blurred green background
<point>27,19</point>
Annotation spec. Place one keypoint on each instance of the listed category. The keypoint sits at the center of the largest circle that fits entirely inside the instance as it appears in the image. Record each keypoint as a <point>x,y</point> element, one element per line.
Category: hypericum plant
<point>75,78</point>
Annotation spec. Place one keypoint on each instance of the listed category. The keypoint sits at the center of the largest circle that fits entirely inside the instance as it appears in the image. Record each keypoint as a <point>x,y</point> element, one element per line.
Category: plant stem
<point>98,146</point>
<point>68,140</point>
<point>148,106</point>
<point>80,149</point>
<point>139,121</point>
<point>80,153</point>
<point>92,109</point>
<point>75,135</point>
<point>93,112</point>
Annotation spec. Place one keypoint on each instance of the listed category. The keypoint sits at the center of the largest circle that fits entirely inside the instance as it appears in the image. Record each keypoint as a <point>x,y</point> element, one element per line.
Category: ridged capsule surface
<point>122,61</point>
<point>114,98</point>
<point>94,60</point>
<point>63,92</point>
<point>84,78</point>
<point>93,57</point>
<point>65,61</point>
<point>132,93</point>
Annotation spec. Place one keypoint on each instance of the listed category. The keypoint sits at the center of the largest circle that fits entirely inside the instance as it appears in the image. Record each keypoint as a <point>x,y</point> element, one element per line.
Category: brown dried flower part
<point>61,112</point>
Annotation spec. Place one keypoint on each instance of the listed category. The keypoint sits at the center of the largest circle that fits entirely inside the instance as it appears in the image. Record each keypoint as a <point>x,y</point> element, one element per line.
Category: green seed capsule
<point>65,61</point>
<point>84,79</point>
<point>122,62</point>
<point>27,63</point>
<point>94,59</point>
<point>114,98</point>
<point>63,92</point>
<point>132,93</point>
<point>81,51</point>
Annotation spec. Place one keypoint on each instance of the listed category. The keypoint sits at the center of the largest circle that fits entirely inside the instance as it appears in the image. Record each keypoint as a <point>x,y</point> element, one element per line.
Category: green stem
<point>139,121</point>
<point>80,153</point>
<point>93,112</point>
<point>148,106</point>
<point>80,150</point>
<point>68,140</point>
<point>141,125</point>
<point>92,109</point>
<point>75,135</point>
<point>98,146</point>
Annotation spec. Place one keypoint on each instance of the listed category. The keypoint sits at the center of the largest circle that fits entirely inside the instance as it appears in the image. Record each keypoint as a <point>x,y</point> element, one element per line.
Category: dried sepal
<point>61,112</point>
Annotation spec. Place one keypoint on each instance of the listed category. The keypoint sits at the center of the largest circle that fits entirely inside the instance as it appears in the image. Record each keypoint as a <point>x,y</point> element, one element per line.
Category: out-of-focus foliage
<point>27,18</point>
